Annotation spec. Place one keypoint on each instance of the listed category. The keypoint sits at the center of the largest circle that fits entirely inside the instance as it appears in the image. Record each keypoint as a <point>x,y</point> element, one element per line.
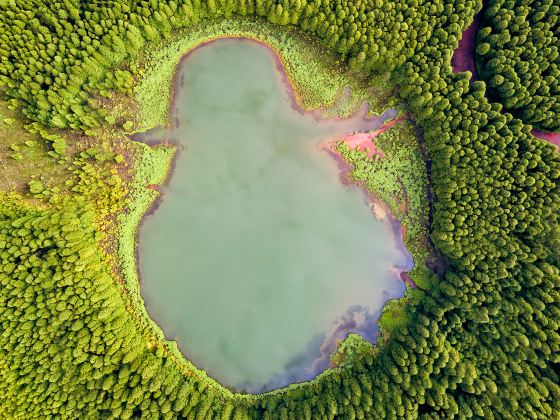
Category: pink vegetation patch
<point>464,57</point>
<point>405,277</point>
<point>553,138</point>
<point>364,141</point>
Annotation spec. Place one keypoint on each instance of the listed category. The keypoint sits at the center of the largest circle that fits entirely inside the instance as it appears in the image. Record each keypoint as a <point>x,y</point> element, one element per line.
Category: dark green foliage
<point>495,218</point>
<point>68,346</point>
<point>518,55</point>
<point>483,342</point>
<point>55,56</point>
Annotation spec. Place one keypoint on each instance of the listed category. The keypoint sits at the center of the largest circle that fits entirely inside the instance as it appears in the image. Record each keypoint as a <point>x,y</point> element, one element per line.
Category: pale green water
<point>258,255</point>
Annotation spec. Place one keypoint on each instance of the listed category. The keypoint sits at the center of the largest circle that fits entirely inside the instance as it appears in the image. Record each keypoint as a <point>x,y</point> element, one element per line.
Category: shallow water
<point>258,257</point>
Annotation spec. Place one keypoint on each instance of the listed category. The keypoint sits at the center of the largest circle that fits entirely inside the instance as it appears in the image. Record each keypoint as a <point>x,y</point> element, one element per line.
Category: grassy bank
<point>318,77</point>
<point>151,171</point>
<point>399,180</point>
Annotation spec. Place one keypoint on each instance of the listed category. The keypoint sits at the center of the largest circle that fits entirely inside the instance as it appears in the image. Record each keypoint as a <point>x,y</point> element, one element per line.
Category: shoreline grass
<point>315,88</point>
<point>319,79</point>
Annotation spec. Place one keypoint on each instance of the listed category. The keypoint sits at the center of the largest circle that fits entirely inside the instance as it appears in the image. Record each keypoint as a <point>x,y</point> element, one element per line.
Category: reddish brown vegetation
<point>364,141</point>
<point>553,138</point>
<point>464,57</point>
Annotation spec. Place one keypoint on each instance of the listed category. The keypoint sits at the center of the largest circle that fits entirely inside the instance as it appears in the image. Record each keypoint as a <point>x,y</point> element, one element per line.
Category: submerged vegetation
<point>479,337</point>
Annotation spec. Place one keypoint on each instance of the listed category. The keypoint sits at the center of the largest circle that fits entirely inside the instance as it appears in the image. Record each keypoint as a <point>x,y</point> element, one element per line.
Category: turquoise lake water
<point>258,257</point>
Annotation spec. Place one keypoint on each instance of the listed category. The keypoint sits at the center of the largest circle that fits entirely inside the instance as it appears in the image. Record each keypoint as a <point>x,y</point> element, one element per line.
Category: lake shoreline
<point>156,189</point>
<point>380,209</point>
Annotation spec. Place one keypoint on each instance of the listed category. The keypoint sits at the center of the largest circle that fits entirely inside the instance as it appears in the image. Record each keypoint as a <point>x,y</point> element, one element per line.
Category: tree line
<point>55,57</point>
<point>518,55</point>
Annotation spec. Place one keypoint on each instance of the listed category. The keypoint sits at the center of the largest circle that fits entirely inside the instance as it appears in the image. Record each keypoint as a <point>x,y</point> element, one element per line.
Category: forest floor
<point>24,155</point>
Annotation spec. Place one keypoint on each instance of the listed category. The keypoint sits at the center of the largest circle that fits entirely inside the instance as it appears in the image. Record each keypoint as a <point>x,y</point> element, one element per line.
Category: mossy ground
<point>23,155</point>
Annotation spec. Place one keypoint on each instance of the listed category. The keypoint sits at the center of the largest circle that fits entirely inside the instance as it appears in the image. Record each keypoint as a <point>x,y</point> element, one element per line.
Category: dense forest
<point>483,340</point>
<point>518,55</point>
